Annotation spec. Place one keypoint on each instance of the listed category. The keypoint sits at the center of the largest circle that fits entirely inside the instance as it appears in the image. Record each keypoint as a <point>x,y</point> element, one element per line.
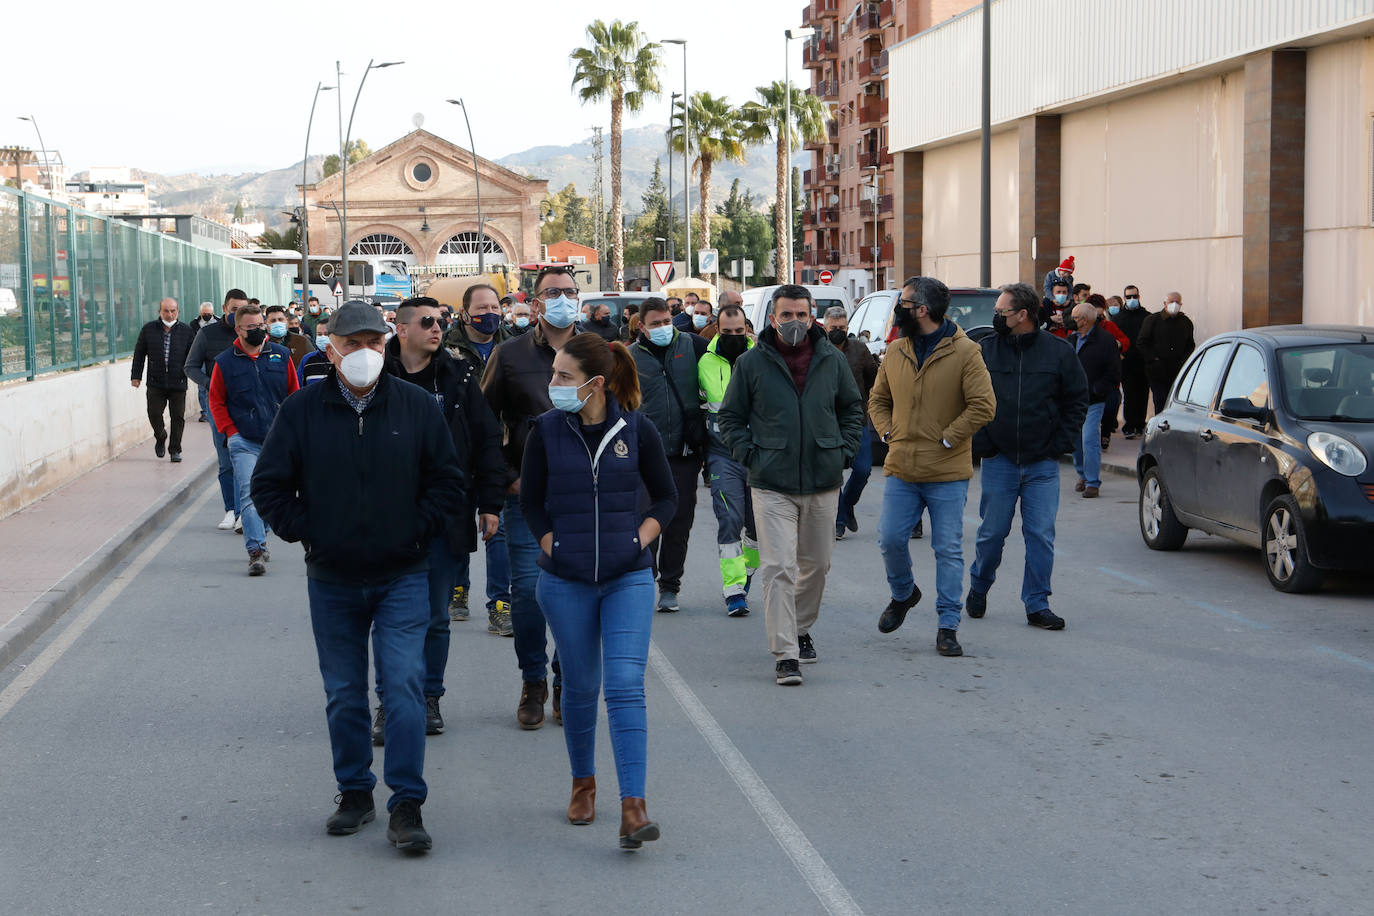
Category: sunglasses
<point>427,321</point>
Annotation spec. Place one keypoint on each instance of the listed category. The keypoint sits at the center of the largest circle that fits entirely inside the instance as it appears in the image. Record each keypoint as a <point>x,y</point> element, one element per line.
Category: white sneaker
<point>227,522</point>
<point>238,524</point>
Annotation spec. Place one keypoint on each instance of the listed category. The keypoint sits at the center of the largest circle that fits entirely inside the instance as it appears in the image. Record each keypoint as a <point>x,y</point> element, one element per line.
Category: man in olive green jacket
<point>793,416</point>
<point>932,394</point>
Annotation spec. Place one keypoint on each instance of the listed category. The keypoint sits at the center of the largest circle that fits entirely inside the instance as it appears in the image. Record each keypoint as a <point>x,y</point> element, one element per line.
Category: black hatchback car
<point>1266,440</point>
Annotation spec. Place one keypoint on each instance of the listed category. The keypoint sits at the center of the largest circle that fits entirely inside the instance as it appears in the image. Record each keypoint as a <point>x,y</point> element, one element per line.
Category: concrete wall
<point>1152,195</point>
<point>951,194</point>
<point>54,429</point>
<point>1338,250</point>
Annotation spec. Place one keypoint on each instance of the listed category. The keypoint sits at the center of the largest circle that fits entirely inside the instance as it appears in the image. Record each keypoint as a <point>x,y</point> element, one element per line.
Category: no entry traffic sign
<point>826,276</point>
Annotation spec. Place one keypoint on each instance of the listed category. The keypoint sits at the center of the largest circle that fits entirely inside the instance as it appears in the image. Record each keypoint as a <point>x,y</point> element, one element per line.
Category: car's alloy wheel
<point>1285,548</point>
<point>1160,528</point>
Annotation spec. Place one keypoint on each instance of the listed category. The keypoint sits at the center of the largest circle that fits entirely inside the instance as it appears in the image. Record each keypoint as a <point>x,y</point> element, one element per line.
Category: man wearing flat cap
<point>360,468</point>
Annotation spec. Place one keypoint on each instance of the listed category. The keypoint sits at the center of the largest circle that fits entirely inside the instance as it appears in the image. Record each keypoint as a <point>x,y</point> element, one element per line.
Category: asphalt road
<point>1194,742</point>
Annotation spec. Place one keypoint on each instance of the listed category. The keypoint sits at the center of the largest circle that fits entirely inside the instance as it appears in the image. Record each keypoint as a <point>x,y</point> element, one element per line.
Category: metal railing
<point>76,287</point>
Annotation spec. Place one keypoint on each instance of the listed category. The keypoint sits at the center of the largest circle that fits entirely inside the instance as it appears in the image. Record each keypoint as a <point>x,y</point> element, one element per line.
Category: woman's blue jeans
<point>602,632</point>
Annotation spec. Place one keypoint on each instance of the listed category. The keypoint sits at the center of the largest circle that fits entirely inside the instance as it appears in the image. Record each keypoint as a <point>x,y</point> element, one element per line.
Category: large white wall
<point>58,427</point>
<point>950,236</point>
<point>1151,194</point>
<point>1338,249</point>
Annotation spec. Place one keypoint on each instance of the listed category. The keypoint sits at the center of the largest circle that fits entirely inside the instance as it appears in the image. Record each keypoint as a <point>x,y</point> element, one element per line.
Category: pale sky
<point>221,87</point>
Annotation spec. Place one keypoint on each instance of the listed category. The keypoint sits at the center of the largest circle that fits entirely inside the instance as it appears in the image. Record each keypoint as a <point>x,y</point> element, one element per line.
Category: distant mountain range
<point>265,194</point>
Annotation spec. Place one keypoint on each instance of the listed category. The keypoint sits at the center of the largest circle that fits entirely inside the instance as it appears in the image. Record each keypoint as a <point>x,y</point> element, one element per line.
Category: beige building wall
<point>951,224</point>
<point>1151,194</point>
<point>1338,250</point>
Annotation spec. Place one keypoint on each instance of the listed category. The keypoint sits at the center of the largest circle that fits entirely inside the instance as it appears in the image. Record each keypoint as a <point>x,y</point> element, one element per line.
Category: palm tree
<point>717,133</point>
<point>621,64</point>
<point>765,119</point>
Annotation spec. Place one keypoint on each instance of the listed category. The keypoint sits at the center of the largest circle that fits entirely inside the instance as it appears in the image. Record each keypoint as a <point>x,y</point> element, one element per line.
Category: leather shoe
<point>1079,487</point>
<point>635,826</point>
<point>1090,492</point>
<point>895,613</point>
<point>582,808</point>
<point>530,713</point>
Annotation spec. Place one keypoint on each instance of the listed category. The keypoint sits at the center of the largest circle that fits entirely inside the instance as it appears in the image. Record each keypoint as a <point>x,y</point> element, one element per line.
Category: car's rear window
<point>1334,382</point>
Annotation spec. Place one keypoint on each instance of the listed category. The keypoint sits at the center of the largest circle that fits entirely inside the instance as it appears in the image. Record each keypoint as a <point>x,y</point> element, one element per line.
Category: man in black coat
<point>1165,342</point>
<point>360,468</point>
<point>1100,357</point>
<point>416,355</point>
<point>163,344</point>
<point>1135,387</point>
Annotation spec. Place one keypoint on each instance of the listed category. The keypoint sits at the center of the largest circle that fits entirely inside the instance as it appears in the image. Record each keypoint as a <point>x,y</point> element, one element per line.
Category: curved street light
<point>42,148</point>
<point>476,177</point>
<point>305,215</point>
<point>788,37</point>
<point>343,156</point>
<point>686,144</point>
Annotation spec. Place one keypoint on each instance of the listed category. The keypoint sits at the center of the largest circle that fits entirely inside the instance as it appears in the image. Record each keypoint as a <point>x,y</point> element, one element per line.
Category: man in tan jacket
<point>932,394</point>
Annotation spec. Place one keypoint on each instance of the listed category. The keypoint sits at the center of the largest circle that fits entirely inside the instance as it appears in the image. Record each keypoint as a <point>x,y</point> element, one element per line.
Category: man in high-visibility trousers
<point>736,538</point>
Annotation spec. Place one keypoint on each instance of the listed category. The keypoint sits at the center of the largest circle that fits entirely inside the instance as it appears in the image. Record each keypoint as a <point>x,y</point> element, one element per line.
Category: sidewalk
<point>55,550</point>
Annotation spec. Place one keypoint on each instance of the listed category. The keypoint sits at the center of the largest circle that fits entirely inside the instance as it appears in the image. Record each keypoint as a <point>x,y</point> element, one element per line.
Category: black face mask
<point>999,324</point>
<point>255,337</point>
<point>731,346</point>
<point>838,336</point>
<point>905,321</point>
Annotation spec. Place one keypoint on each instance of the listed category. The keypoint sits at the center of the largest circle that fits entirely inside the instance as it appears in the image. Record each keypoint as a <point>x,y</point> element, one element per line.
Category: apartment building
<point>848,223</point>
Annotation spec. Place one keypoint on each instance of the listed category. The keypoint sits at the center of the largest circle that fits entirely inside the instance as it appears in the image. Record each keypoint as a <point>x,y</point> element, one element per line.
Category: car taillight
<point>1368,489</point>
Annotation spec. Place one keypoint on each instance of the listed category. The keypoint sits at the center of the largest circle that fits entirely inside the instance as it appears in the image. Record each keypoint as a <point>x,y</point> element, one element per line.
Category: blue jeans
<point>1087,454</point>
<point>244,455</point>
<point>531,642</point>
<point>1037,487</point>
<point>903,503</point>
<point>498,567</point>
<point>396,614</point>
<point>442,577</point>
<point>859,471</point>
<point>595,626</point>
<point>226,467</point>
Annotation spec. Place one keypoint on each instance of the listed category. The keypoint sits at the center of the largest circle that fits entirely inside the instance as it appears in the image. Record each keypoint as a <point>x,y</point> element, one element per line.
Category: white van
<point>758,302</point>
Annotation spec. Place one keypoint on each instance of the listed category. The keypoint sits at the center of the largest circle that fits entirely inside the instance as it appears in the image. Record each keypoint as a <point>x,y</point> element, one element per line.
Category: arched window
<point>468,243</point>
<point>381,244</point>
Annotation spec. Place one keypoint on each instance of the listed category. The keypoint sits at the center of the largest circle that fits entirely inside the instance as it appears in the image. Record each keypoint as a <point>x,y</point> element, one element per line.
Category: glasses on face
<point>554,291</point>
<point>249,327</point>
<point>427,321</point>
<point>910,303</point>
<point>1005,313</point>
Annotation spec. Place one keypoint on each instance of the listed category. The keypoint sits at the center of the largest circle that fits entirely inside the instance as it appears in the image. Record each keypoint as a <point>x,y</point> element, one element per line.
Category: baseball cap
<point>354,317</point>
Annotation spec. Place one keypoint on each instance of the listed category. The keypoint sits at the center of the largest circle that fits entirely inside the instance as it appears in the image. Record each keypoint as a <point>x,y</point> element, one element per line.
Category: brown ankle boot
<point>635,826</point>
<point>582,808</point>
<point>530,713</point>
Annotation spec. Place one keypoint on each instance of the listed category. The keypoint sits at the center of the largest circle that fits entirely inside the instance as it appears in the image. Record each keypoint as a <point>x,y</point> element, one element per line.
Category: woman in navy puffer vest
<point>586,463</point>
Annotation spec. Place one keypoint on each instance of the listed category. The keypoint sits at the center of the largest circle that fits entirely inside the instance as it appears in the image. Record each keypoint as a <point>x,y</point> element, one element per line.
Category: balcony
<point>827,216</point>
<point>824,9</point>
<point>827,89</point>
<point>812,178</point>
<point>832,130</point>
<point>873,111</point>
<point>884,206</point>
<point>866,22</point>
<point>885,11</point>
<point>879,158</point>
<point>817,50</point>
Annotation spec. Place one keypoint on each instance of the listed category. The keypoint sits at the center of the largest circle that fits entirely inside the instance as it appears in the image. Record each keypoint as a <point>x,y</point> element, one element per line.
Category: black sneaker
<point>839,532</point>
<point>895,614</point>
<point>946,643</point>
<point>407,829</point>
<point>379,727</point>
<point>434,722</point>
<point>788,673</point>
<point>919,531</point>
<point>159,449</point>
<point>557,704</point>
<point>1045,620</point>
<point>807,649</point>
<point>976,603</point>
<point>355,809</point>
<point>851,521</point>
<point>176,457</point>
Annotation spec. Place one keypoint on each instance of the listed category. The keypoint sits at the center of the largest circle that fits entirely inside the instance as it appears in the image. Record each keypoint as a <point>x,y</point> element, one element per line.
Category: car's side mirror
<point>1242,409</point>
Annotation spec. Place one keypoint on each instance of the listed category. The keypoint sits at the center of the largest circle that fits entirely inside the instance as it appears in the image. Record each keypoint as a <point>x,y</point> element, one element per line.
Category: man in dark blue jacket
<point>416,356</point>
<point>1042,398</point>
<point>210,341</point>
<point>361,469</point>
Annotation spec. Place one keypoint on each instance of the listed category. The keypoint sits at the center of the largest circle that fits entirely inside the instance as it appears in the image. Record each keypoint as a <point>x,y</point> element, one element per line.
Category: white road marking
<point>40,666</point>
<point>790,837</point>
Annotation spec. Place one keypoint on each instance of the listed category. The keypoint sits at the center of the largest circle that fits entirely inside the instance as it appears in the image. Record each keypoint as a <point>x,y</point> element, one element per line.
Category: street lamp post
<point>788,36</point>
<point>42,148</point>
<point>686,167</point>
<point>672,226</point>
<point>876,285</point>
<point>343,157</point>
<point>305,217</point>
<point>476,177</point>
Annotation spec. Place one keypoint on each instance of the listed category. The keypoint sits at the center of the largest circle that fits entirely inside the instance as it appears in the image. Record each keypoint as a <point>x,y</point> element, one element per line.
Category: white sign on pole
<point>708,261</point>
<point>663,271</point>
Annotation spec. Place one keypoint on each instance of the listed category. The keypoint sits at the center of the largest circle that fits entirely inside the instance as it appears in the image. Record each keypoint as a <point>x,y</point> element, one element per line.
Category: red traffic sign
<point>663,271</point>
<point>826,276</point>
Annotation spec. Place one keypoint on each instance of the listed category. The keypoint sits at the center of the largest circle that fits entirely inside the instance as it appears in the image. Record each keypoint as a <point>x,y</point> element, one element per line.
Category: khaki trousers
<point>796,534</point>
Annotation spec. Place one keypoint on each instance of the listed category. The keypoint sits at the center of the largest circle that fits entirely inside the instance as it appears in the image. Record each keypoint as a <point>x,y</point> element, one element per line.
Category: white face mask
<point>169,323</point>
<point>361,367</point>
<point>1172,307</point>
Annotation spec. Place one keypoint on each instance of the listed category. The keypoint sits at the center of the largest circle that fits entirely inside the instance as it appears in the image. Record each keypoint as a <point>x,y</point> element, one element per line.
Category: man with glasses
<point>252,377</point>
<point>931,395</point>
<point>1042,398</point>
<point>212,340</point>
<point>415,355</point>
<point>516,384</point>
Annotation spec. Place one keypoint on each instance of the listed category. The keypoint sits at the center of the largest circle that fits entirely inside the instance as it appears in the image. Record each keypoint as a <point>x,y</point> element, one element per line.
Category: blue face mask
<point>560,312</point>
<point>1132,303</point>
<point>1060,299</point>
<point>662,336</point>
<point>565,397</point>
<point>1113,309</point>
<point>522,322</point>
<point>277,330</point>
<point>322,341</point>
<point>700,321</point>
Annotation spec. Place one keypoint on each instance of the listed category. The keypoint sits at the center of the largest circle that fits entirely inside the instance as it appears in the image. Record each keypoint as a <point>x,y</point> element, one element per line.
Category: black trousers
<point>669,551</point>
<point>1135,389</point>
<point>1159,391</point>
<point>160,399</point>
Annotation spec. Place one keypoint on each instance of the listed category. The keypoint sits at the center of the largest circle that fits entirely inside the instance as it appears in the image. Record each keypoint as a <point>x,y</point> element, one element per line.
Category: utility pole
<point>598,195</point>
<point>985,196</point>
<point>876,283</point>
<point>672,226</point>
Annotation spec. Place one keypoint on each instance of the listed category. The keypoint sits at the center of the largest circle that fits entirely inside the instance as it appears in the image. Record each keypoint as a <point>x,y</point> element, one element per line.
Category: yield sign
<point>663,271</point>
